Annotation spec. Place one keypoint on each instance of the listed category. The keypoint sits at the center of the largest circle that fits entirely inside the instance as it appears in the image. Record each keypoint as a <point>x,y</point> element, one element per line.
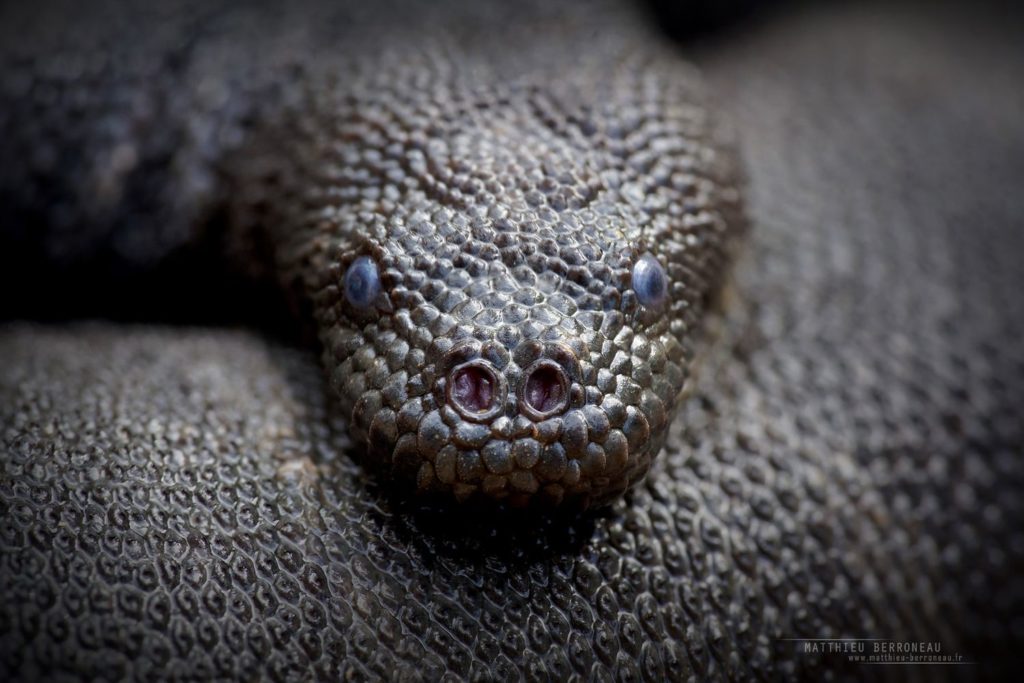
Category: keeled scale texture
<point>849,464</point>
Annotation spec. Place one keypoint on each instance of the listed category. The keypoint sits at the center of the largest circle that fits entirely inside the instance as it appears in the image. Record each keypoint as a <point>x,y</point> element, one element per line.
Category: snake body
<point>178,502</point>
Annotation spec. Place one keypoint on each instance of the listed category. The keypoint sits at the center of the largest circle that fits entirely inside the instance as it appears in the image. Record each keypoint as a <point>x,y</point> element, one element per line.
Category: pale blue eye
<point>362,282</point>
<point>650,282</point>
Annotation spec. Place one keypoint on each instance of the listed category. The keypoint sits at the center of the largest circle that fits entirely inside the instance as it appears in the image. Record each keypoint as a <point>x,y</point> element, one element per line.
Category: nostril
<point>546,389</point>
<point>543,390</point>
<point>473,389</point>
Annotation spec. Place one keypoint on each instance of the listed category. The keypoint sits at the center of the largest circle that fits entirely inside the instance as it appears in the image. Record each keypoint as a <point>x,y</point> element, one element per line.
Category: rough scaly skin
<point>848,466</point>
<point>504,193</point>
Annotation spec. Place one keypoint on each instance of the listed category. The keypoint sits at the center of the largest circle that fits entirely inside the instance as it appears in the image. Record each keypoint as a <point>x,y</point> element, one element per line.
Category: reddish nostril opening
<point>545,390</point>
<point>473,389</point>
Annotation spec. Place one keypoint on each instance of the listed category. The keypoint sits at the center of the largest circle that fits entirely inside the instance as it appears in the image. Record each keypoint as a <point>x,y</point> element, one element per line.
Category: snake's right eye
<point>650,282</point>
<point>362,282</point>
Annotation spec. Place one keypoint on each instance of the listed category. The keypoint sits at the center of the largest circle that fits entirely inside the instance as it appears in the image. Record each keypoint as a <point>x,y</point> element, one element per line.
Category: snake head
<point>512,278</point>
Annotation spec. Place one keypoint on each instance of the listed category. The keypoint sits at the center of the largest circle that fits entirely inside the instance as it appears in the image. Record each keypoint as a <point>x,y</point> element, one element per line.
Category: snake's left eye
<point>362,282</point>
<point>650,282</point>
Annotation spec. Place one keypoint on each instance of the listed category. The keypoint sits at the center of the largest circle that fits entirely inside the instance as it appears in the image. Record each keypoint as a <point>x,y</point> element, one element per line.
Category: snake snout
<point>534,423</point>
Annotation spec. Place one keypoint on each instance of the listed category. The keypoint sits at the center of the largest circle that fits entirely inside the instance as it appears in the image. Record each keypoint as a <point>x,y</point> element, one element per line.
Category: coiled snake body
<point>508,228</point>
